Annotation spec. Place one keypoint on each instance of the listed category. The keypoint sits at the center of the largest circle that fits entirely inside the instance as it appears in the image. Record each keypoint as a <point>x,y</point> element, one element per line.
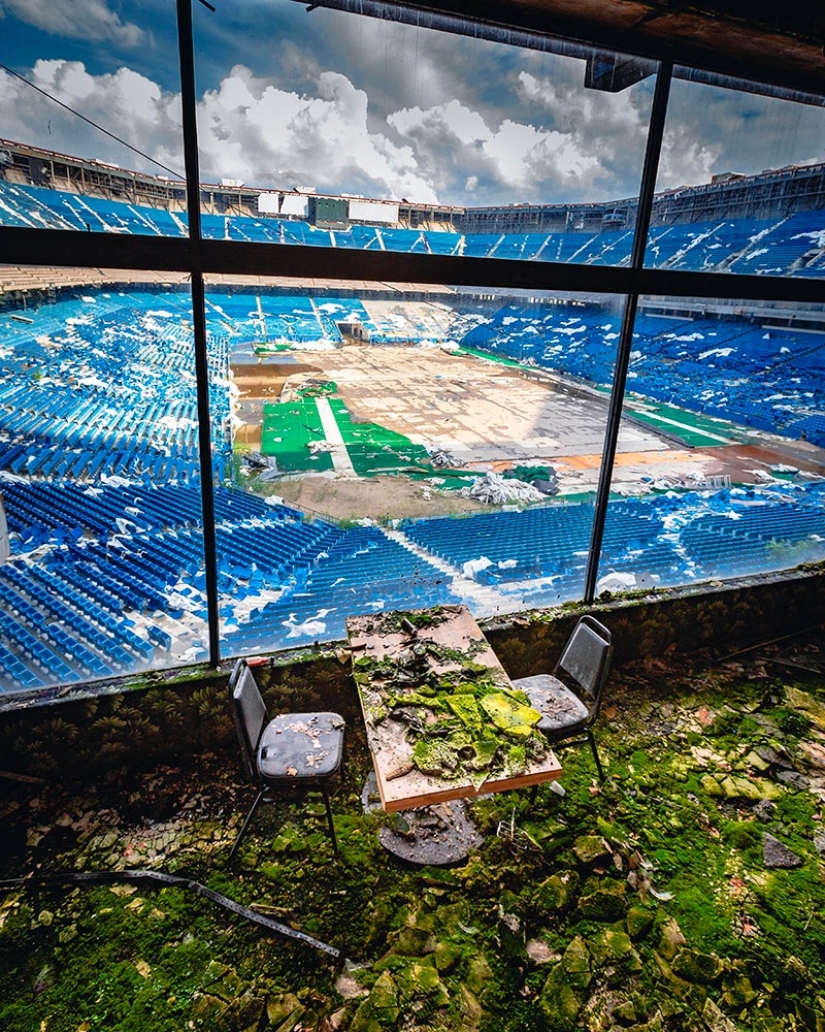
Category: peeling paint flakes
<point>123,890</point>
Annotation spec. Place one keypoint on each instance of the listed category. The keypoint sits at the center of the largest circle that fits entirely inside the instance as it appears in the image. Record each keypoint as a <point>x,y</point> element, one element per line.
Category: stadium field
<point>389,409</point>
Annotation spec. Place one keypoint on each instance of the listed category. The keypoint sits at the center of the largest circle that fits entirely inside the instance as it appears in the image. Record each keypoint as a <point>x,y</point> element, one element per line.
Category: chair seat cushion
<point>561,709</point>
<point>301,745</point>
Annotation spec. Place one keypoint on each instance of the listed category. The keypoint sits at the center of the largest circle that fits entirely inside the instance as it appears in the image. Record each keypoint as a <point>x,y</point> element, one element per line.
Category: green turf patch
<point>374,449</point>
<point>288,428</point>
<point>489,356</point>
<point>317,388</point>
<point>694,429</point>
<point>270,347</point>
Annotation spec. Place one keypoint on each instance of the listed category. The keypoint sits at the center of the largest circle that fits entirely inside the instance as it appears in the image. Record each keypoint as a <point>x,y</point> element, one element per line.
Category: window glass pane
<point>99,476</point>
<point>326,128</point>
<point>741,184</point>
<point>90,119</point>
<point>734,396</point>
<point>401,446</point>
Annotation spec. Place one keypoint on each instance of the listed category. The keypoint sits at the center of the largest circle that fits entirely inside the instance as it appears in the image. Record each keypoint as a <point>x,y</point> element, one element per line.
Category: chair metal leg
<point>329,821</point>
<point>245,824</point>
<point>592,741</point>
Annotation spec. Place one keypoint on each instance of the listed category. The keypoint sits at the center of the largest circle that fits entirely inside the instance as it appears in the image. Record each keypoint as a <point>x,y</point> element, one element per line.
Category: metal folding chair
<point>288,751</point>
<point>568,713</point>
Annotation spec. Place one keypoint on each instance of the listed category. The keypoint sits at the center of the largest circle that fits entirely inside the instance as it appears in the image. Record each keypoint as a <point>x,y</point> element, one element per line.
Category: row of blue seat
<point>777,245</point>
<point>66,617</point>
<point>112,392</point>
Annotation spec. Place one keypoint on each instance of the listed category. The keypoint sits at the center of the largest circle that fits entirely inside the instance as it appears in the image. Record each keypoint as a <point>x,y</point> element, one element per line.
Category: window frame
<point>201,257</point>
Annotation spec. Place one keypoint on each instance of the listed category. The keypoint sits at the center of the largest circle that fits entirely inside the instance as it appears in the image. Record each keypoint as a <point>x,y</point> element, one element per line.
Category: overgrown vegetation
<point>463,718</point>
<point>647,902</point>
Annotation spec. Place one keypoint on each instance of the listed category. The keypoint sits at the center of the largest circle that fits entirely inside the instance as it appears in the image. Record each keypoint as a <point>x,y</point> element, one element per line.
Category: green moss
<point>465,707</point>
<point>174,959</point>
<point>742,834</point>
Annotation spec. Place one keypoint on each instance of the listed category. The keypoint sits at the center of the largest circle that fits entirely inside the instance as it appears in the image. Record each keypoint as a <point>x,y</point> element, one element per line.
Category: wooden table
<point>430,676</point>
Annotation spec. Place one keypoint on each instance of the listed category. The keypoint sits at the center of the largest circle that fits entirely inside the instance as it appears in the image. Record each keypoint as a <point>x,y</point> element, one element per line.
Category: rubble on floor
<point>685,892</point>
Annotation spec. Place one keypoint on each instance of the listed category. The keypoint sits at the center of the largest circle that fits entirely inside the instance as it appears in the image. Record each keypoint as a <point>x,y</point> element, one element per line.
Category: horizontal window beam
<point>74,249</point>
<point>46,247</point>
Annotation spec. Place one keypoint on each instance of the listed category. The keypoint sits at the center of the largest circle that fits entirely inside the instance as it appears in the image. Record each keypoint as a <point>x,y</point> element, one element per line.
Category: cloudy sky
<point>326,99</point>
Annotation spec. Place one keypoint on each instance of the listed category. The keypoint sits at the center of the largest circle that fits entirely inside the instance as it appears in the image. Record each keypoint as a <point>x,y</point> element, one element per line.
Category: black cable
<point>138,875</point>
<point>148,157</point>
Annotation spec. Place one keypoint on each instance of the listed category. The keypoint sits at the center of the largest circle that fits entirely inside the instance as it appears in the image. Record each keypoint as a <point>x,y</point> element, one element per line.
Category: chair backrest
<point>248,712</point>
<point>586,657</point>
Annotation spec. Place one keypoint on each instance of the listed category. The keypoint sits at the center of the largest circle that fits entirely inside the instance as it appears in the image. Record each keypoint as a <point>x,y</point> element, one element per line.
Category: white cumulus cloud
<point>533,135</point>
<point>559,144</point>
<point>685,160</point>
<point>327,135</point>
<point>81,19</point>
<point>124,102</point>
<point>253,130</point>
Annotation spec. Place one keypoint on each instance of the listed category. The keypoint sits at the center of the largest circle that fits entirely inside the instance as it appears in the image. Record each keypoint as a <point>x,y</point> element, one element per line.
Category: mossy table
<point>443,720</point>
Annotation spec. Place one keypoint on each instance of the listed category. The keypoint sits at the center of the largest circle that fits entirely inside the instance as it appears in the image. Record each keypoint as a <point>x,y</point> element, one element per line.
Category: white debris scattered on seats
<point>473,566</point>
<point>616,582</point>
<point>314,626</point>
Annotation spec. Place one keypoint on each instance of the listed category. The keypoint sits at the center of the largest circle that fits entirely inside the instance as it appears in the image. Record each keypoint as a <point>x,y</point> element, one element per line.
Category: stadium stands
<point>95,590</point>
<point>103,385</point>
<point>782,245</point>
<point>771,379</point>
<point>99,448</point>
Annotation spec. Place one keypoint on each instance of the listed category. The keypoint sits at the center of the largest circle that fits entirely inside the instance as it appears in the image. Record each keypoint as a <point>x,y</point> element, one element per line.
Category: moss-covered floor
<point>647,902</point>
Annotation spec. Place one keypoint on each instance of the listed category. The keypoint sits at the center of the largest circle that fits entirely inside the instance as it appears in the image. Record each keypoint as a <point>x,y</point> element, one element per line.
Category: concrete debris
<point>493,489</point>
<point>256,460</point>
<point>775,854</point>
<point>443,459</point>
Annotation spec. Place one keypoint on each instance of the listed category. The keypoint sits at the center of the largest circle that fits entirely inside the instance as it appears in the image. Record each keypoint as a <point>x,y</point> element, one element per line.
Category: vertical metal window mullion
<point>614,417</point>
<point>186,49</point>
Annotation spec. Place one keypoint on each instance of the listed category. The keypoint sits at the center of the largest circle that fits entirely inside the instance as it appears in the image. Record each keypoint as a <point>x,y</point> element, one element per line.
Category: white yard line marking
<point>339,454</point>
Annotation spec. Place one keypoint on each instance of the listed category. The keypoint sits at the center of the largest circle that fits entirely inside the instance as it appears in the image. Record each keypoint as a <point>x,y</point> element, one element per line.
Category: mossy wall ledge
<point>141,682</point>
<point>168,715</point>
<point>719,616</point>
<point>169,677</point>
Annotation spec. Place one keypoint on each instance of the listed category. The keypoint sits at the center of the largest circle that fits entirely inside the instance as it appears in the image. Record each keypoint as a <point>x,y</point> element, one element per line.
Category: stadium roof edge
<point>735,183</point>
<point>776,44</point>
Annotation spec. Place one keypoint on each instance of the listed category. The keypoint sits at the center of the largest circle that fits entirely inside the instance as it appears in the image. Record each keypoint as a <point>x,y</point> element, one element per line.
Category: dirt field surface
<point>741,460</point>
<point>492,417</point>
<point>377,498</point>
<point>481,412</point>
